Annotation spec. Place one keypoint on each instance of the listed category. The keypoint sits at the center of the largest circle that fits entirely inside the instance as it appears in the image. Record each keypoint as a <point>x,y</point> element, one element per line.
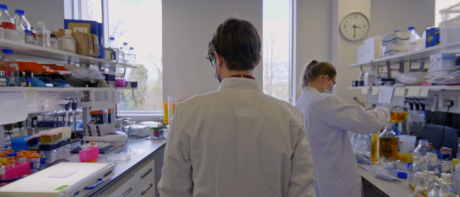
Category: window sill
<point>141,115</point>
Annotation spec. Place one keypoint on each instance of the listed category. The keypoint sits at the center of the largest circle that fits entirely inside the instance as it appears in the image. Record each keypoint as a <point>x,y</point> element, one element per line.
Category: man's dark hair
<point>238,42</point>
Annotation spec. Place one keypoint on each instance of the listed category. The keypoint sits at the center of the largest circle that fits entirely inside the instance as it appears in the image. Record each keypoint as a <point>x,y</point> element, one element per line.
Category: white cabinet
<point>139,182</point>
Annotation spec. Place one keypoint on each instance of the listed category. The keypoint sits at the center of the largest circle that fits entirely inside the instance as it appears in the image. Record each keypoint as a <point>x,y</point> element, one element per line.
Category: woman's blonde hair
<point>314,69</point>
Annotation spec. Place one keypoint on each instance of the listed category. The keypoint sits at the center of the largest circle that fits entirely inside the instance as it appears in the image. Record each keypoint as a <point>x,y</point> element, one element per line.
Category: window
<point>139,24</point>
<point>441,4</point>
<point>276,69</point>
<point>91,10</point>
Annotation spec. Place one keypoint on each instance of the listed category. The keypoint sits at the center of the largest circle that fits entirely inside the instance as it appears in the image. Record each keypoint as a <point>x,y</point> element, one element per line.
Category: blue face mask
<point>217,76</point>
<point>328,91</point>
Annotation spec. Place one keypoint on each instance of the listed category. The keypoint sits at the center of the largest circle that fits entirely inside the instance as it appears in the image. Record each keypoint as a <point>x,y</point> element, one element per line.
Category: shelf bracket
<point>401,67</point>
<point>422,66</point>
<point>388,70</point>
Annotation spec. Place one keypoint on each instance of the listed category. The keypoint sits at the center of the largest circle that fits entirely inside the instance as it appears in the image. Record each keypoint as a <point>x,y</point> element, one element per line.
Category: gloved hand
<point>389,106</point>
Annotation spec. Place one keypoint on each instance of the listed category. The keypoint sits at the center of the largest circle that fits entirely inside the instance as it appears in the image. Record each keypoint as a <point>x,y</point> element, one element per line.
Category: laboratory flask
<point>398,114</point>
<point>389,143</point>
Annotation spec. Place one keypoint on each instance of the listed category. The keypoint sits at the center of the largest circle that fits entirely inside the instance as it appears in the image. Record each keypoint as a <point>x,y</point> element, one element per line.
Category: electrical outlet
<point>446,100</point>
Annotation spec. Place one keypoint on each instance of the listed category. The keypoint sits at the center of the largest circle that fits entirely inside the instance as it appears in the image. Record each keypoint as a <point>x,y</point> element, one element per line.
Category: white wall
<point>188,26</point>
<point>318,36</point>
<point>49,11</point>
<point>313,35</point>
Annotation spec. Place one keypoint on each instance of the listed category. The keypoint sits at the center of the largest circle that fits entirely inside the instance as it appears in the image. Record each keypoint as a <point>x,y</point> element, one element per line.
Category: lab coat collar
<point>240,83</point>
<point>310,89</point>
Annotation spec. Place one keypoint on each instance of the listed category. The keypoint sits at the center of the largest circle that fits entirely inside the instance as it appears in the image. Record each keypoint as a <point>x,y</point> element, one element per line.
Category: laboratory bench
<point>137,176</point>
<point>374,187</point>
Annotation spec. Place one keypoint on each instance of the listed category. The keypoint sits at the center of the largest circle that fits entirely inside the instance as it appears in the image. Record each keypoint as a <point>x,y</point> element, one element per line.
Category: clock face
<point>354,26</point>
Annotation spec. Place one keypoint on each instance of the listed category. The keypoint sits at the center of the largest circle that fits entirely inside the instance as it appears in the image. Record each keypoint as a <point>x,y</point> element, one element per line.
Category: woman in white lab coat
<point>327,119</point>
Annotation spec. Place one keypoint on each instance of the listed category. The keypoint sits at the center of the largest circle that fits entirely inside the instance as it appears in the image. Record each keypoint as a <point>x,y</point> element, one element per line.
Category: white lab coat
<point>237,142</point>
<point>327,119</point>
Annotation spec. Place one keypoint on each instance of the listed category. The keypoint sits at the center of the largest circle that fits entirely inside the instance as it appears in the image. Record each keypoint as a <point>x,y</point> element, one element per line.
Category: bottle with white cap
<point>132,56</point>
<point>7,23</point>
<point>21,24</point>
<point>43,35</point>
<point>68,41</point>
<point>126,51</point>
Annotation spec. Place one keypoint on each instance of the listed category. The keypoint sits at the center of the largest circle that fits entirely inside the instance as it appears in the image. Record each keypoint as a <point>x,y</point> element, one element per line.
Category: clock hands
<point>354,29</point>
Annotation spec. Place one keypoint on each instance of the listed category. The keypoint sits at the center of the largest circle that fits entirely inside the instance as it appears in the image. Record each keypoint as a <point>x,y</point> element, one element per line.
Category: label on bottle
<point>1,32</point>
<point>68,45</point>
<point>7,25</point>
<point>29,39</point>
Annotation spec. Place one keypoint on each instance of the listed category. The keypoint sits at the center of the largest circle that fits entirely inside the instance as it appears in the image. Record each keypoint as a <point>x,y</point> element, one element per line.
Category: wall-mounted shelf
<point>434,88</point>
<point>423,54</point>
<point>29,52</point>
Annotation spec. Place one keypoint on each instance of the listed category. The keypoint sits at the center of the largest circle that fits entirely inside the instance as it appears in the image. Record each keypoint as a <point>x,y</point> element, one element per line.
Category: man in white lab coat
<point>236,141</point>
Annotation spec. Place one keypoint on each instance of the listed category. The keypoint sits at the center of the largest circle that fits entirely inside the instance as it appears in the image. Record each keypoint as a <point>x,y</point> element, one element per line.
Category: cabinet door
<point>146,173</point>
<point>147,190</point>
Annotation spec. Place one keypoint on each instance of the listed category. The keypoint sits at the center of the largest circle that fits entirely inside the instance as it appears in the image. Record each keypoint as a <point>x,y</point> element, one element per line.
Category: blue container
<point>432,37</point>
<point>19,143</point>
<point>48,147</point>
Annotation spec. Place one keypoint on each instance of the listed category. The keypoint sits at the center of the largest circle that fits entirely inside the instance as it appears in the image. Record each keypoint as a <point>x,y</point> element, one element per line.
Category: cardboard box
<point>80,27</point>
<point>373,47</point>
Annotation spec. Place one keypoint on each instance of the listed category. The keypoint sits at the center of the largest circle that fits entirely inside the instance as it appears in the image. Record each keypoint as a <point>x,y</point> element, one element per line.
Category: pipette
<point>417,109</point>
<point>359,102</point>
<point>411,107</point>
<point>67,107</point>
<point>74,114</point>
<point>422,112</point>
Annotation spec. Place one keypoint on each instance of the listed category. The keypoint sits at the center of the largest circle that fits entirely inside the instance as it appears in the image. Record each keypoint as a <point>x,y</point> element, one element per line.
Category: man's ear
<point>258,61</point>
<point>218,60</point>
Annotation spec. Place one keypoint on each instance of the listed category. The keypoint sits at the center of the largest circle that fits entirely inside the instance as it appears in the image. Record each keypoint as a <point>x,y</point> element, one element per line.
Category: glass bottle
<point>121,56</point>
<point>9,65</point>
<point>7,23</point>
<point>398,114</point>
<point>422,148</point>
<point>361,78</point>
<point>43,35</point>
<point>389,143</point>
<point>416,180</point>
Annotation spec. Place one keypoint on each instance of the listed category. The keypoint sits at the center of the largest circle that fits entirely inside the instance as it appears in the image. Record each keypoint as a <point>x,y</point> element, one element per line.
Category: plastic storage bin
<point>19,170</point>
<point>19,143</point>
<point>442,62</point>
<point>449,30</point>
<point>89,155</point>
<point>450,12</point>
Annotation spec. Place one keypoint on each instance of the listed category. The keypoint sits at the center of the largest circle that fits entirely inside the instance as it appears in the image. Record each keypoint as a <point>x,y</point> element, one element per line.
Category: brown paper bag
<point>80,43</point>
<point>95,45</point>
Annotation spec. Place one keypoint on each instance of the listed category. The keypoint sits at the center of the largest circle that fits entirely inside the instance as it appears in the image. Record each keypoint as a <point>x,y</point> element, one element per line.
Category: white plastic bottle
<point>7,23</point>
<point>114,47</point>
<point>126,51</point>
<point>415,42</point>
<point>121,56</point>
<point>21,24</point>
<point>68,42</point>
<point>43,35</point>
<point>13,72</point>
<point>370,78</point>
<point>132,56</point>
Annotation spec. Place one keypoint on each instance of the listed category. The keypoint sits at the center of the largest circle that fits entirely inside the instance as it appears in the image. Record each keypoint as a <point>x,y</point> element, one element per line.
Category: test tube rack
<point>89,155</point>
<point>19,170</point>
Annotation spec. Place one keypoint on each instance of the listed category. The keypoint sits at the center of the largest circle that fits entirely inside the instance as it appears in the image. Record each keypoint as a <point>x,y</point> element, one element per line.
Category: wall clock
<point>354,26</point>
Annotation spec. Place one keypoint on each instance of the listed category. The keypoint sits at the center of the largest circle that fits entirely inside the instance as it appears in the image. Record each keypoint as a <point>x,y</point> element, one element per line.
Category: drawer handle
<point>126,192</point>
<point>146,173</point>
<point>143,192</point>
<point>100,181</point>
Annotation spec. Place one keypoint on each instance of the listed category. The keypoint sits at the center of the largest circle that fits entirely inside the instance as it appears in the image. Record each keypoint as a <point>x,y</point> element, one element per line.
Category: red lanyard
<point>243,76</point>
